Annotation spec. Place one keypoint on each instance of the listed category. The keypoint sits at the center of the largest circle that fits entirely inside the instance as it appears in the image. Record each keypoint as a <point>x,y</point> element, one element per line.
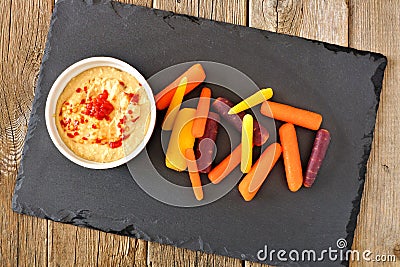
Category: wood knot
<point>385,168</point>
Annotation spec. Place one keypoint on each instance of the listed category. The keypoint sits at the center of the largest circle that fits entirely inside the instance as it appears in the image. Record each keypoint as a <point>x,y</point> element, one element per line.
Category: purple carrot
<point>318,153</point>
<point>205,145</point>
<point>223,105</point>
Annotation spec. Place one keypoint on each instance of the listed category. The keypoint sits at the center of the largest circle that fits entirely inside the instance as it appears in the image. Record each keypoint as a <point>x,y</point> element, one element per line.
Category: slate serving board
<point>341,83</point>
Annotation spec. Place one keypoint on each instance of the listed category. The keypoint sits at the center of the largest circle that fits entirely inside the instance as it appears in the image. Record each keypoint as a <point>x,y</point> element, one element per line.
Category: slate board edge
<point>376,80</point>
<point>33,118</point>
<point>168,14</point>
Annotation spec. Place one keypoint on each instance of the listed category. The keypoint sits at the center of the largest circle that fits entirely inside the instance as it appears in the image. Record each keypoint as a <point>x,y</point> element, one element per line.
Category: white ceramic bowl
<point>58,88</point>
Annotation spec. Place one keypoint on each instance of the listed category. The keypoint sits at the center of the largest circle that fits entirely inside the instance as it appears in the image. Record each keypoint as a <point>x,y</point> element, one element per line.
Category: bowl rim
<point>58,87</point>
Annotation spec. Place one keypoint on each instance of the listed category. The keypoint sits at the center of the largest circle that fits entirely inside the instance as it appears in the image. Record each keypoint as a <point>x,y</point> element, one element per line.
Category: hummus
<point>103,114</point>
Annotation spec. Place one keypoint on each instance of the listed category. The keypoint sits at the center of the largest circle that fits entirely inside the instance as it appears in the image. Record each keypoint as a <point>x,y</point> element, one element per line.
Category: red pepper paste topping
<point>115,144</point>
<point>100,107</point>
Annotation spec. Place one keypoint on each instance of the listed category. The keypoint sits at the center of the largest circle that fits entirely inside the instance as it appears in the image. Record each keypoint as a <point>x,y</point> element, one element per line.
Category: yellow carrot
<point>173,108</point>
<point>253,100</point>
<point>180,140</point>
<point>247,143</point>
<point>194,173</point>
<point>195,76</point>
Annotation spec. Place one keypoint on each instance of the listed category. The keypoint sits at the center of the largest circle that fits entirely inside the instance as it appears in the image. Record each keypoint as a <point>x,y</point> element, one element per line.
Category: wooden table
<point>364,24</point>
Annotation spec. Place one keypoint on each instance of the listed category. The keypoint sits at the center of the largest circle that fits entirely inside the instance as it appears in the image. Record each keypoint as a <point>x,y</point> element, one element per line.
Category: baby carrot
<point>247,143</point>
<point>194,173</point>
<point>259,171</point>
<point>181,139</point>
<point>222,105</point>
<point>251,101</point>
<point>203,107</point>
<point>291,156</point>
<point>195,76</point>
<point>286,113</point>
<point>175,105</point>
<point>205,146</point>
<point>318,153</point>
<point>226,166</point>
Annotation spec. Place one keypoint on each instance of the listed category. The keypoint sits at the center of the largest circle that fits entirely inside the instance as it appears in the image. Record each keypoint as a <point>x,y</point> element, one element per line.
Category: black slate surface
<point>341,83</point>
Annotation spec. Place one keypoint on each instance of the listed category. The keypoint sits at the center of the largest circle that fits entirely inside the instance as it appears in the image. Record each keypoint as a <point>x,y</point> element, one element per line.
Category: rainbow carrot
<point>203,107</point>
<point>195,76</point>
<point>175,105</point>
<point>204,149</point>
<point>222,106</point>
<point>253,100</point>
<point>259,172</point>
<point>181,139</point>
<point>247,143</point>
<point>194,173</point>
<point>291,156</point>
<point>321,144</point>
<point>226,166</point>
<point>286,113</point>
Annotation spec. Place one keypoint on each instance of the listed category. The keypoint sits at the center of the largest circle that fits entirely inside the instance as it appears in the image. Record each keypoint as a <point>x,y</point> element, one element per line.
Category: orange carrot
<point>259,171</point>
<point>226,166</point>
<point>291,156</point>
<point>194,173</point>
<point>195,75</point>
<point>286,113</point>
<point>203,107</point>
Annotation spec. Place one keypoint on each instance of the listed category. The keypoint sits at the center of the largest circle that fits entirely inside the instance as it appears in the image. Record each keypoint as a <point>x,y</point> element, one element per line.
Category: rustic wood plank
<point>315,19</point>
<point>320,20</point>
<point>24,27</point>
<point>233,11</point>
<point>375,25</point>
<point>263,14</point>
<point>25,240</point>
<point>8,221</point>
<point>121,251</point>
<point>188,7</point>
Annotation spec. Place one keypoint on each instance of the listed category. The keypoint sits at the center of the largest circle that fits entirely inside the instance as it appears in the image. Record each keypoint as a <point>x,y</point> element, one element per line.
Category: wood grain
<point>365,24</point>
<point>314,19</point>
<point>375,25</point>
<point>24,25</point>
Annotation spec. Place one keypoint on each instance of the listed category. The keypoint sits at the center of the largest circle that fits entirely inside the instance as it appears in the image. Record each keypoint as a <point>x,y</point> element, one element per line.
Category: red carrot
<point>195,75</point>
<point>321,144</point>
<point>223,105</point>
<point>203,107</point>
<point>205,145</point>
<point>193,173</point>
<point>291,156</point>
<point>300,117</point>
